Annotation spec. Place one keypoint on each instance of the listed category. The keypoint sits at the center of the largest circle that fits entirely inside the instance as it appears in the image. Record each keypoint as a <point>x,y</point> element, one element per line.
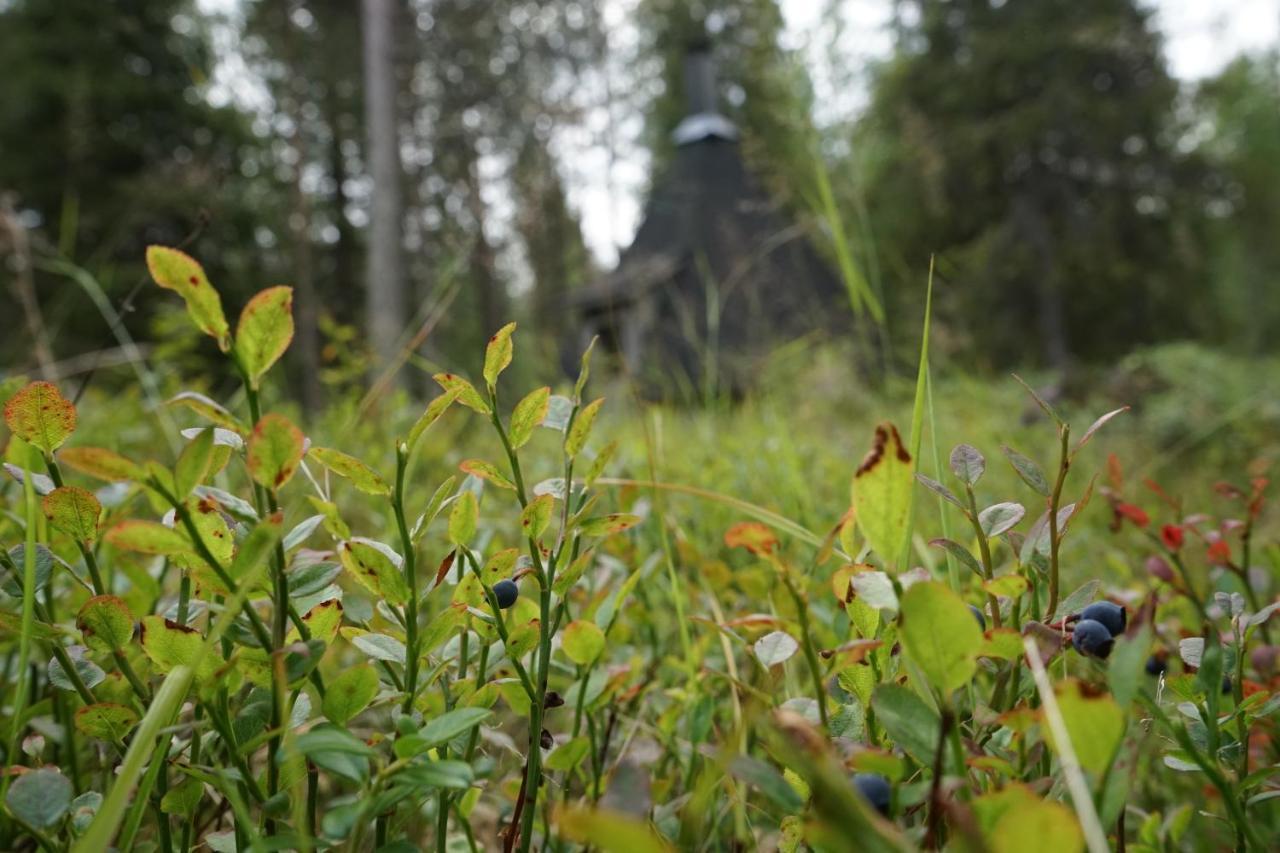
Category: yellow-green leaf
<point>40,415</point>
<point>74,511</point>
<point>333,522</point>
<point>361,475</point>
<point>526,416</point>
<point>497,355</point>
<point>1095,725</point>
<point>536,517</point>
<point>179,272</point>
<point>264,331</point>
<point>487,471</point>
<point>882,493</point>
<point>582,641</point>
<point>464,392</point>
<point>209,410</point>
<point>147,537</point>
<point>580,430</point>
<point>184,798</point>
<point>464,518</point>
<point>105,623</point>
<point>169,644</point>
<point>350,693</point>
<point>194,463</point>
<point>373,566</point>
<point>607,525</point>
<point>324,620</point>
<point>101,463</point>
<point>275,450</point>
<point>106,721</point>
<point>435,409</point>
<point>611,832</point>
<point>940,635</point>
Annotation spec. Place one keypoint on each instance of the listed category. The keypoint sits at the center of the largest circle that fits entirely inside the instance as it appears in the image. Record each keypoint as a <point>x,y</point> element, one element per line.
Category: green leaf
<point>463,391</point>
<point>1095,725</point>
<point>12,585</point>
<point>275,451</point>
<point>337,751</point>
<point>90,673</point>
<point>882,493</point>
<point>103,464</point>
<point>568,755</point>
<point>961,553</point>
<point>999,518</point>
<point>1028,470</point>
<point>209,410</point>
<point>940,634</point>
<point>1048,410</point>
<point>436,774</point>
<point>40,415</point>
<point>184,799</point>
<point>464,518</point>
<point>1014,820</point>
<point>769,781</point>
<point>611,832</point>
<point>377,567</point>
<point>911,723</point>
<point>582,641</point>
<point>106,721</point>
<point>255,548</point>
<point>584,372</point>
<point>74,511</point>
<point>105,623</point>
<point>1076,601</point>
<point>446,727</point>
<point>775,648</point>
<point>968,464</point>
<point>569,576</point>
<point>526,416</point>
<point>361,475</point>
<point>381,647</point>
<point>179,272</point>
<point>193,463</point>
<point>312,578</point>
<point>40,797</point>
<point>350,693</point>
<point>147,537</point>
<point>1126,667</point>
<point>497,354</point>
<point>264,331</point>
<point>580,430</point>
<point>486,471</point>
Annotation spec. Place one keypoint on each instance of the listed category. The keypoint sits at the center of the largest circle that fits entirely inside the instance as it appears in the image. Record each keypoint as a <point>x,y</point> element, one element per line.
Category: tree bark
<point>384,289</point>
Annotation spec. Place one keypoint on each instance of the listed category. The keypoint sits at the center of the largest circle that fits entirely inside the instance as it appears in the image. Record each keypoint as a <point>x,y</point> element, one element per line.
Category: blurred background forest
<point>423,170</point>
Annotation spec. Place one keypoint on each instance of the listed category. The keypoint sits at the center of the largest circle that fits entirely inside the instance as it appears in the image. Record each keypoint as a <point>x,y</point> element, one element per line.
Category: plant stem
<point>984,549</point>
<point>806,640</point>
<point>1064,463</point>
<point>411,579</point>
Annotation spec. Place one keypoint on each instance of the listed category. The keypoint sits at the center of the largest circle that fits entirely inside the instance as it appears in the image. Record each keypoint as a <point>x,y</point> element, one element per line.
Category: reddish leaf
<point>752,535</point>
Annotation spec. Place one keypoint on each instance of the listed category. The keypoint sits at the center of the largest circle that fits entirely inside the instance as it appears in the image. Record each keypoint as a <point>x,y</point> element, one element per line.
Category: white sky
<point>606,170</point>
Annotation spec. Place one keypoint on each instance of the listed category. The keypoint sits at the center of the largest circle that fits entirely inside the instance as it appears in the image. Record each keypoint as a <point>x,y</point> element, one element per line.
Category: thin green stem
<point>1064,464</point>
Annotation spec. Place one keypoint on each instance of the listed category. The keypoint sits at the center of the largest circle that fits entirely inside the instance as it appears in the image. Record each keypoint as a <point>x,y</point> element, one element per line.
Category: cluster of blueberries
<point>1096,628</point>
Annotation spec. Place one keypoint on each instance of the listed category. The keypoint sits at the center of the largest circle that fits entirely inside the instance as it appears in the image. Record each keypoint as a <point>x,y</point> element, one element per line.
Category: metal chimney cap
<point>703,119</point>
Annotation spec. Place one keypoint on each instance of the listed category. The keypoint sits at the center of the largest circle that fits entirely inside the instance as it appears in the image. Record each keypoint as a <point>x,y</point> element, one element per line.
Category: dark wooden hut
<point>717,275</point>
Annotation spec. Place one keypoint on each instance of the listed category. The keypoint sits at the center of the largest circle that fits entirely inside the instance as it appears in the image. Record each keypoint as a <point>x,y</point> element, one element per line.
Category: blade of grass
<point>28,618</point>
<point>917,413</point>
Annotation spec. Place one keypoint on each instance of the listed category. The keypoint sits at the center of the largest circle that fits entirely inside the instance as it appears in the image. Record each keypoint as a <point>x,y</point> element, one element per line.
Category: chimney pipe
<point>700,78</point>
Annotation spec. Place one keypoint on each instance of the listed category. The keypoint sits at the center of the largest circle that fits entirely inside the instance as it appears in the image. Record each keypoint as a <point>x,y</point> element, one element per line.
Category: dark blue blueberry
<point>1092,638</point>
<point>1157,665</point>
<point>1112,616</point>
<point>506,592</point>
<point>977,614</point>
<point>874,788</point>
<point>1226,684</point>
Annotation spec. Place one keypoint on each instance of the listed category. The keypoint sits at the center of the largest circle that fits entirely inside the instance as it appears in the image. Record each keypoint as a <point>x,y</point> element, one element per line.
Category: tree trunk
<point>384,289</point>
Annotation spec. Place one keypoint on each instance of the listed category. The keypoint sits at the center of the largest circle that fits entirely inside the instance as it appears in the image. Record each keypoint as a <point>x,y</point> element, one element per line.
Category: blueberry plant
<point>265,643</point>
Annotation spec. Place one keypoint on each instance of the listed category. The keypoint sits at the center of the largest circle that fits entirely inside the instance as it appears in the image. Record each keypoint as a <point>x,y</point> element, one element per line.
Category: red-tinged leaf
<point>275,451</point>
<point>1133,513</point>
<point>852,652</point>
<point>1219,552</point>
<point>445,565</point>
<point>1097,425</point>
<point>1115,473</point>
<point>1172,536</point>
<point>40,415</point>
<point>264,331</point>
<point>101,463</point>
<point>1048,641</point>
<point>179,272</point>
<point>607,525</point>
<point>74,511</point>
<point>755,537</point>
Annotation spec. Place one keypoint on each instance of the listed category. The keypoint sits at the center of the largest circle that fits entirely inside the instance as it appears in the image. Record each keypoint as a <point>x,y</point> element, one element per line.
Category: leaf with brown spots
<point>324,620</point>
<point>361,475</point>
<point>275,450</point>
<point>882,494</point>
<point>74,511</point>
<point>105,623</point>
<point>40,415</point>
<point>463,391</point>
<point>147,537</point>
<point>377,568</point>
<point>264,331</point>
<point>497,355</point>
<point>179,272</point>
<point>486,471</point>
